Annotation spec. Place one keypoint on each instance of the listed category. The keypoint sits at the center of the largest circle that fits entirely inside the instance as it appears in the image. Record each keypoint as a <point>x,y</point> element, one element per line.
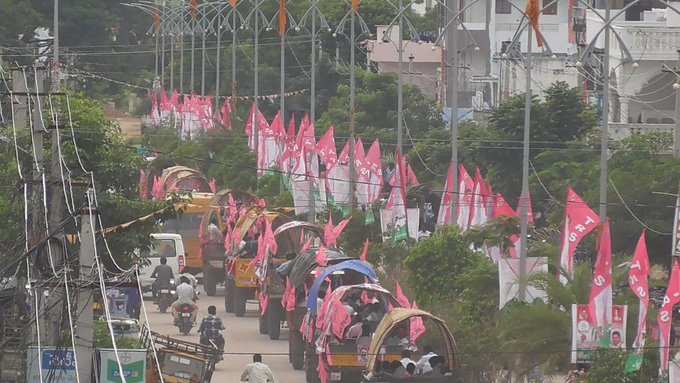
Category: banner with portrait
<point>585,337</point>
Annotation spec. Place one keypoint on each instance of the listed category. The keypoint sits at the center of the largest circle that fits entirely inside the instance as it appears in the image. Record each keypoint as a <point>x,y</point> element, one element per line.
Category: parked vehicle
<point>290,238</point>
<point>241,280</point>
<point>381,350</point>
<point>166,296</point>
<point>166,245</point>
<point>344,343</point>
<point>184,317</point>
<point>212,250</point>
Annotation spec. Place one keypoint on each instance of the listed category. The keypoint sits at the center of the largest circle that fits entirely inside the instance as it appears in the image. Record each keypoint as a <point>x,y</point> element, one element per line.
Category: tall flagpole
<point>203,30</point>
<point>181,52</point>
<point>256,78</point>
<point>312,107</point>
<point>282,74</point>
<point>193,53</point>
<point>400,92</point>
<point>604,134</point>
<point>524,196</point>
<point>233,54</point>
<point>452,96</point>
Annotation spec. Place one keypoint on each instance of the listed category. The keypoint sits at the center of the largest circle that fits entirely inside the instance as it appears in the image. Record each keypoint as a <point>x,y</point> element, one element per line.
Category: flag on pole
<point>401,297</point>
<point>157,20</point>
<point>326,148</point>
<point>193,8</point>
<point>254,125</point>
<point>665,317</point>
<point>533,12</point>
<point>332,233</point>
<point>466,187</point>
<point>638,275</point>
<point>233,3</point>
<point>478,215</point>
<point>444,216</point>
<point>374,165</point>
<point>579,221</point>
<point>364,251</point>
<point>283,17</point>
<point>417,328</point>
<point>355,5</point>
<point>600,302</point>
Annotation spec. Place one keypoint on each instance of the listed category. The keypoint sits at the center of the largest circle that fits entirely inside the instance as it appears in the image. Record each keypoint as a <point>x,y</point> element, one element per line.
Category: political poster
<point>508,279</point>
<point>586,337</point>
<point>133,363</point>
<point>56,365</point>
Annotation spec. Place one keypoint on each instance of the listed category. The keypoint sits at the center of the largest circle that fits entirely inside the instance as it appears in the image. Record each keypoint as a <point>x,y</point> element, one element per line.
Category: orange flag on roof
<point>157,20</point>
<point>233,3</point>
<point>283,17</point>
<point>533,12</point>
<point>355,5</point>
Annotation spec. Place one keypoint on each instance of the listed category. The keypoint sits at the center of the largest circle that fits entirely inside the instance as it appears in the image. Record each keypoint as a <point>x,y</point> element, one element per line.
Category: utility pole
<point>352,108</point>
<point>256,75</point>
<point>85,323</point>
<point>218,56</point>
<point>604,134</point>
<point>676,131</point>
<point>312,109</point>
<point>233,56</point>
<point>400,92</point>
<point>524,197</point>
<point>452,94</point>
<point>203,28</point>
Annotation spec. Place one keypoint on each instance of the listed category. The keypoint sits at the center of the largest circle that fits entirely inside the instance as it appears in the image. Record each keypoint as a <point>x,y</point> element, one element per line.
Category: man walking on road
<point>257,372</point>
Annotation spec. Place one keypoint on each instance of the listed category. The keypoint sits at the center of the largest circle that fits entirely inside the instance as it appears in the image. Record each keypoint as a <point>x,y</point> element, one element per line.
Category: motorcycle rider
<point>185,295</point>
<point>163,275</point>
<point>210,329</point>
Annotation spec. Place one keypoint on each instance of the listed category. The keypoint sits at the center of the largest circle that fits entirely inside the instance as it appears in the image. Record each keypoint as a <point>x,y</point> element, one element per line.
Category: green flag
<point>370,217</point>
<point>633,362</point>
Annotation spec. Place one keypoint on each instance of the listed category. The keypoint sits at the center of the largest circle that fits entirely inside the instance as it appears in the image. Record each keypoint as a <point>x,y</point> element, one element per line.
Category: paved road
<point>242,337</point>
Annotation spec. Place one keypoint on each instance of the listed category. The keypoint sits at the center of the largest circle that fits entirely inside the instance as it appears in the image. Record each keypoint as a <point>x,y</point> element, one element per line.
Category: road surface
<point>242,338</point>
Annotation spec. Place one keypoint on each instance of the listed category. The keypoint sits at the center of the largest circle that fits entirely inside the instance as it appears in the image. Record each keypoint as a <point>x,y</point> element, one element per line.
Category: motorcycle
<point>165,296</point>
<point>183,317</point>
<point>217,343</point>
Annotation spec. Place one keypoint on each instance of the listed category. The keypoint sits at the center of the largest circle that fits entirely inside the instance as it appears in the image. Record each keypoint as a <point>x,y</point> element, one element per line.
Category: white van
<point>168,245</point>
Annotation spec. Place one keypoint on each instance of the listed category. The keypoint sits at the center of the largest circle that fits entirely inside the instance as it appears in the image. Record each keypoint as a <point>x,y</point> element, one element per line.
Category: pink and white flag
<point>665,317</point>
<point>478,215</point>
<point>445,216</point>
<point>600,302</point>
<point>466,187</point>
<point>638,276</point>
<point>373,163</point>
<point>255,123</point>
<point>326,148</point>
<point>579,221</point>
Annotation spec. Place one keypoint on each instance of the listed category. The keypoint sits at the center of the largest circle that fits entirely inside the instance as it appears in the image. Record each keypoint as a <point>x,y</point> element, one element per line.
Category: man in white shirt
<point>185,294</point>
<point>257,372</point>
<point>423,366</point>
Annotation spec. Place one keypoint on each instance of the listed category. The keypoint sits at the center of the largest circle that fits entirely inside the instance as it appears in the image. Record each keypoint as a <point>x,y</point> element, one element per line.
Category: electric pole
<point>85,323</point>
<point>604,134</point>
<point>452,94</point>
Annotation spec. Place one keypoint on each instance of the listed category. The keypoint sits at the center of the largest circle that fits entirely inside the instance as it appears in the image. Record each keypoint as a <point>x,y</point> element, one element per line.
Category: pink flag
<point>417,326</point>
<point>159,189</point>
<point>213,185</point>
<point>502,208</point>
<point>401,297</point>
<point>260,256</point>
<point>269,240</point>
<point>264,302</point>
<point>478,209</point>
<point>579,221</point>
<point>466,187</point>
<point>359,153</point>
<point>374,165</point>
<point>332,233</point>
<point>665,317</point>
<point>638,281</point>
<point>364,252</point>
<point>306,246</point>
<point>255,123</point>
<point>343,158</point>
<point>288,300</point>
<point>225,114</point>
<point>412,179</point>
<point>322,257</point>
<point>444,217</point>
<point>326,148</point>
<point>600,302</point>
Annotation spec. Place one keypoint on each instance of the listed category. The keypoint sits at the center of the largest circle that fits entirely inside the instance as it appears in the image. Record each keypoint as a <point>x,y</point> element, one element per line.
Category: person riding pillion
<point>185,295</point>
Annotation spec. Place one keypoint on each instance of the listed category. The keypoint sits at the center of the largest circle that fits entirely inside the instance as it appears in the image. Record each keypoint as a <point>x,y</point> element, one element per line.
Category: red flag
<point>326,148</point>
<point>444,217</point>
<point>600,302</point>
<point>233,3</point>
<point>665,317</point>
<point>157,20</point>
<point>143,184</point>
<point>269,239</point>
<point>638,281</point>
<point>213,185</point>
<point>478,215</point>
<point>364,252</point>
<point>225,114</point>
<point>502,208</point>
<point>401,297</point>
<point>355,5</point>
<point>359,153</point>
<point>306,246</point>
<point>256,123</point>
<point>343,158</point>
<point>579,221</point>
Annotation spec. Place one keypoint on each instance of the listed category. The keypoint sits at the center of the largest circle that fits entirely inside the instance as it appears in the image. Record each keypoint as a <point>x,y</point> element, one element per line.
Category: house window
<point>552,9</point>
<point>503,7</point>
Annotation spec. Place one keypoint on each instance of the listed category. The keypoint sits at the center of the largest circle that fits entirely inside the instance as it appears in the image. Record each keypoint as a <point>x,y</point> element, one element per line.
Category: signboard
<point>508,279</point>
<point>585,337</point>
<point>57,365</point>
<point>133,362</point>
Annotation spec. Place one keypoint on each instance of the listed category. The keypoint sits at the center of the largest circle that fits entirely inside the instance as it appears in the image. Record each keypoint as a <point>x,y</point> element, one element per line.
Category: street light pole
<point>352,108</point>
<point>524,197</point>
<point>400,95</point>
<point>452,95</point>
<point>604,134</point>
